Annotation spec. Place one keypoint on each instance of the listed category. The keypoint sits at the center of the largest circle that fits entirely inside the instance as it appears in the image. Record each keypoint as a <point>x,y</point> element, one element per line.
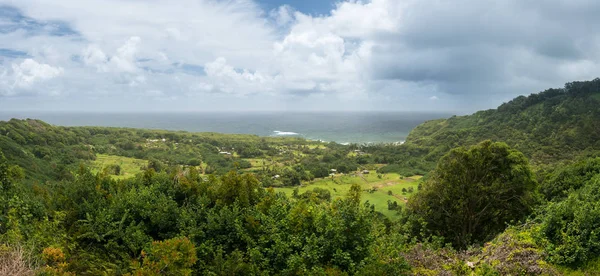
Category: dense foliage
<point>474,192</point>
<point>548,127</point>
<point>571,226</point>
<point>234,226</point>
<point>564,180</point>
<point>49,152</point>
<point>205,203</point>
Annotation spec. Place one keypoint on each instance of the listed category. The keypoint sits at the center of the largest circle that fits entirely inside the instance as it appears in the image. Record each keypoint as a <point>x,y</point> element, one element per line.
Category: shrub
<point>170,257</point>
<point>571,226</point>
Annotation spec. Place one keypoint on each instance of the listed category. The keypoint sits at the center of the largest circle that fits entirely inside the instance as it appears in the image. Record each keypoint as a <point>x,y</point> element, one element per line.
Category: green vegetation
<point>550,127</point>
<point>570,226</point>
<point>119,166</point>
<point>483,187</point>
<point>374,190</point>
<point>115,201</point>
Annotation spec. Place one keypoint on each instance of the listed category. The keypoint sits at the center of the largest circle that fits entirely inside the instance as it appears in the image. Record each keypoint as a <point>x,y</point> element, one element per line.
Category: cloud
<point>124,60</point>
<point>283,16</point>
<point>12,20</point>
<point>24,75</point>
<point>10,53</point>
<point>434,98</point>
<point>93,56</point>
<point>378,54</point>
<point>30,71</point>
<point>225,78</point>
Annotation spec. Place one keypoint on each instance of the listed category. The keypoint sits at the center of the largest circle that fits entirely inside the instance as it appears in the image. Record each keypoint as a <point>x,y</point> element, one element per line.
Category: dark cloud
<point>473,47</point>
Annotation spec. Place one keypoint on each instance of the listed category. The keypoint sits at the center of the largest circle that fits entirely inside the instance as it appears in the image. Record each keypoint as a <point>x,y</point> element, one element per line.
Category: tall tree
<point>474,192</point>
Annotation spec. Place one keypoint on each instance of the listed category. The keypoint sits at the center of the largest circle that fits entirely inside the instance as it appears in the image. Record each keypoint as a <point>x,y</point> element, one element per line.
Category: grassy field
<point>258,163</point>
<point>129,166</point>
<point>375,189</point>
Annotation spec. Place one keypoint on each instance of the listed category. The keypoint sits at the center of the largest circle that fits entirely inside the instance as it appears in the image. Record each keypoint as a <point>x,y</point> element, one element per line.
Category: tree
<point>4,183</point>
<point>155,164</point>
<point>170,257</point>
<point>474,192</point>
<point>570,226</point>
<point>564,180</point>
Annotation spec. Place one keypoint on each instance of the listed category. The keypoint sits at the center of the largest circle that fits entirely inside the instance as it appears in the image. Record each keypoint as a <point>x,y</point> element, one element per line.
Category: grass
<point>375,189</point>
<point>316,146</point>
<point>129,166</point>
<point>260,163</point>
<point>590,268</point>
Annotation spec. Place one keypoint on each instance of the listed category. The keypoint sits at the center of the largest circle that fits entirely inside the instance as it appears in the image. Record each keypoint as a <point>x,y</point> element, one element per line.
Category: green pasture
<point>129,166</point>
<point>375,189</point>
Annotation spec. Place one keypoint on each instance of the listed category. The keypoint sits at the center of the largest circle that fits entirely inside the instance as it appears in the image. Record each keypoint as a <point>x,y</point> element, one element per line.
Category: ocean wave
<point>284,133</point>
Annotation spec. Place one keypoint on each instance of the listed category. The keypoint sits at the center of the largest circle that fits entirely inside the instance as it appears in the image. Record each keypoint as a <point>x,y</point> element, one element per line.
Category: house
<point>365,172</point>
<point>333,171</point>
<point>225,152</point>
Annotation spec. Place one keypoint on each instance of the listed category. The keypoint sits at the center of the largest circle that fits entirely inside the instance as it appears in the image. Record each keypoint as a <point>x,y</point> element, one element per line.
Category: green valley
<point>507,191</point>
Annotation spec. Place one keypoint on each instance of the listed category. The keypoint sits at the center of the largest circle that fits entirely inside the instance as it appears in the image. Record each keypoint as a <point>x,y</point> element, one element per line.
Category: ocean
<point>341,127</point>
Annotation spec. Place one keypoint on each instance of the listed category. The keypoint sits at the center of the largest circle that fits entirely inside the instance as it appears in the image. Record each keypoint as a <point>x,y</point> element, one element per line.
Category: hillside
<point>50,152</point>
<point>551,126</point>
<point>219,204</point>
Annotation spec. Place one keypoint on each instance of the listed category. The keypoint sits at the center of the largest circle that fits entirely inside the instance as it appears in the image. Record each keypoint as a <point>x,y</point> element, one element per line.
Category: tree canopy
<point>474,192</point>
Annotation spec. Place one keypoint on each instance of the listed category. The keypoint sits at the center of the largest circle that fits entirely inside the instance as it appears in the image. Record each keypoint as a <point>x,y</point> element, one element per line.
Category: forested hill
<point>554,125</point>
<point>48,152</point>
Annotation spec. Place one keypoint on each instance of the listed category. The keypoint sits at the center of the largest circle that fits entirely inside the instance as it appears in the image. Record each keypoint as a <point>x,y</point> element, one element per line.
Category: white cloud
<point>25,74</point>
<point>93,56</point>
<point>30,71</point>
<point>363,20</point>
<point>434,98</point>
<point>225,78</point>
<point>124,60</point>
<point>283,15</point>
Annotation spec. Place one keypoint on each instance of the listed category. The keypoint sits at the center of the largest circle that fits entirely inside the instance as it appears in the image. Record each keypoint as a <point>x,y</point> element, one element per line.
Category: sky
<point>302,55</point>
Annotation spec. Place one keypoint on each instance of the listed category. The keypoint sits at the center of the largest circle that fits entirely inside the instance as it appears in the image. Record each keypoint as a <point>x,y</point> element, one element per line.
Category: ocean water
<point>341,127</point>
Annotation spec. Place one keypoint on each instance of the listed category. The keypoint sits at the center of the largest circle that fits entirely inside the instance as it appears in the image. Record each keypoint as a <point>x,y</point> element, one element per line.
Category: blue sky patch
<point>10,53</point>
<point>191,69</point>
<point>13,20</point>
<point>313,7</point>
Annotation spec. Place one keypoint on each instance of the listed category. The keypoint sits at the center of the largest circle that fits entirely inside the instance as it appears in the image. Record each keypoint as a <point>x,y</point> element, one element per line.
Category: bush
<point>571,226</point>
<point>170,257</point>
<point>194,162</point>
<point>569,178</point>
